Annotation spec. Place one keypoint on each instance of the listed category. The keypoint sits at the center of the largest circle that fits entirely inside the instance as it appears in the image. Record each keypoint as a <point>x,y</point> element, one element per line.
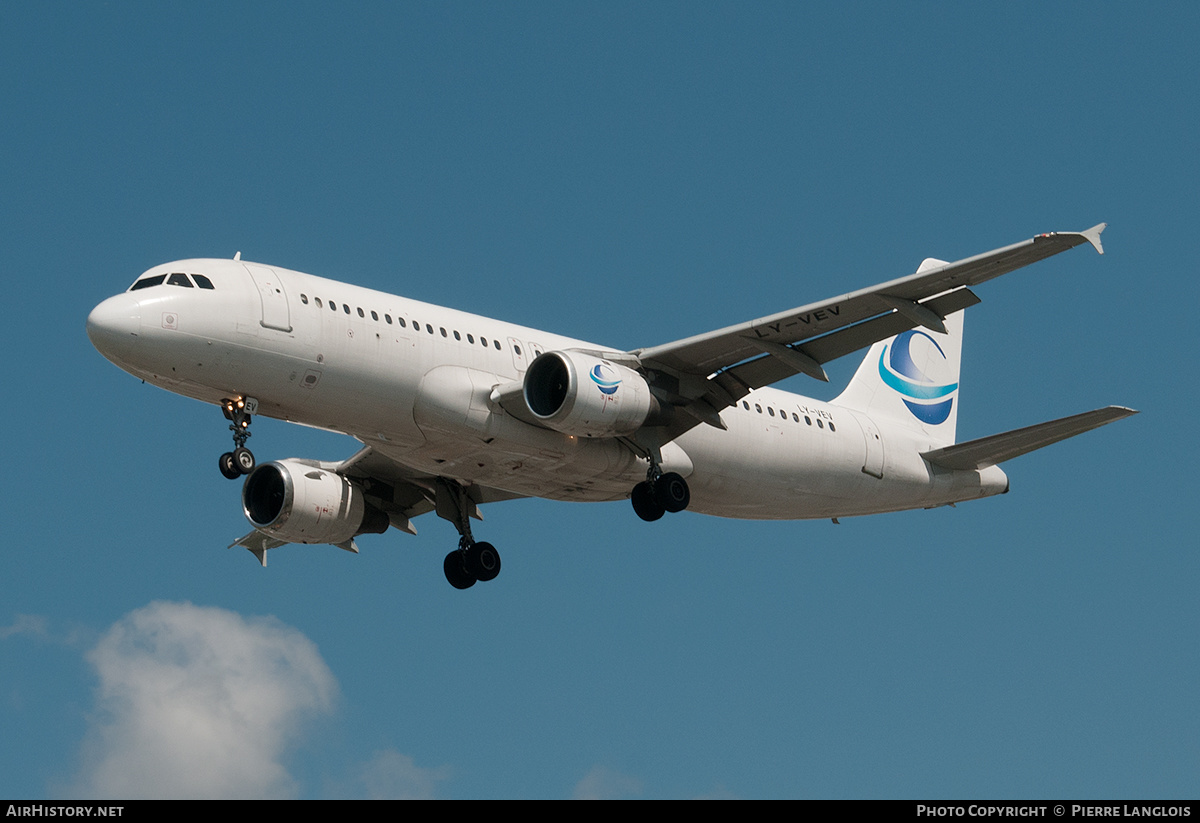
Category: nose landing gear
<point>241,460</point>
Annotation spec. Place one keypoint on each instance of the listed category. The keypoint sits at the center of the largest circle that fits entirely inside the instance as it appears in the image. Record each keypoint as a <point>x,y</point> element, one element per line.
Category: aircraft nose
<point>114,325</point>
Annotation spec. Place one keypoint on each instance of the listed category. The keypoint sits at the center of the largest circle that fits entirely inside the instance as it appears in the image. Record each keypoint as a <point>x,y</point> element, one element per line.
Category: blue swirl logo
<point>605,378</point>
<point>928,401</point>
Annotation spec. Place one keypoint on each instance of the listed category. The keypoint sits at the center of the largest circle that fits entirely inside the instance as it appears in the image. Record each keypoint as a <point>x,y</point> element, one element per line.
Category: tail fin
<point>912,380</point>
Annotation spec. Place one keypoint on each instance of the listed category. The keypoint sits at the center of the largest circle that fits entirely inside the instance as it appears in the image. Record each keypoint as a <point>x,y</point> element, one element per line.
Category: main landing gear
<point>471,561</point>
<point>660,493</point>
<point>241,460</point>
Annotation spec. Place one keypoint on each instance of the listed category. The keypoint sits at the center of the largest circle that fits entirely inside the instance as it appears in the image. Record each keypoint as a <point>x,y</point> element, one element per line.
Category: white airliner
<point>455,410</point>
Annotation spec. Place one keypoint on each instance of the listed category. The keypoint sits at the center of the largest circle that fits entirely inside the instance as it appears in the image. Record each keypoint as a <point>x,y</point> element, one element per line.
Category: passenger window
<point>820,425</point>
<point>332,306</point>
<point>807,420</point>
<point>374,316</point>
<point>758,408</point>
<point>360,313</point>
<point>317,300</point>
<point>831,428</point>
<point>770,411</point>
<point>795,419</point>
<point>429,328</point>
<point>745,405</point>
<point>179,279</point>
<point>471,338</point>
<point>304,299</point>
<point>202,281</point>
<point>147,282</point>
<point>443,330</point>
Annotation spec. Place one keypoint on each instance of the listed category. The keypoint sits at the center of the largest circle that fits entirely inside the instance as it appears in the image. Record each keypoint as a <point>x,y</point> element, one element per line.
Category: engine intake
<point>297,503</point>
<point>587,396</point>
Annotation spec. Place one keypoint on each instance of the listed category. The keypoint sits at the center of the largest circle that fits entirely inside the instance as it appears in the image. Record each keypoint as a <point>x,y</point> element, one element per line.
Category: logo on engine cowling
<point>605,378</point>
<point>928,401</point>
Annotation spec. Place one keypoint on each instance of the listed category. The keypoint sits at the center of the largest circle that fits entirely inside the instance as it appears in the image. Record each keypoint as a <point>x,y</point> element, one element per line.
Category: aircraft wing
<point>708,372</point>
<point>710,352</point>
<point>403,493</point>
<point>399,491</point>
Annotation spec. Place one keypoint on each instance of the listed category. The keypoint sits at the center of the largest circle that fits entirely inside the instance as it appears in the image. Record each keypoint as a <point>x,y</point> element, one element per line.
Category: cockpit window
<point>147,282</point>
<point>174,279</point>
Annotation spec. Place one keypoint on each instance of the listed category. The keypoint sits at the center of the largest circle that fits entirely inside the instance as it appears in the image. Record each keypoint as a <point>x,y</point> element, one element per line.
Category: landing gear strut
<point>660,493</point>
<point>241,460</point>
<point>471,561</point>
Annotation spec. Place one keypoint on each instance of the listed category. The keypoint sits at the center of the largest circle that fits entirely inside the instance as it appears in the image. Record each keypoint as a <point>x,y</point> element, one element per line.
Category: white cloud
<point>390,775</point>
<point>37,627</point>
<point>28,625</point>
<point>199,702</point>
<point>604,784</point>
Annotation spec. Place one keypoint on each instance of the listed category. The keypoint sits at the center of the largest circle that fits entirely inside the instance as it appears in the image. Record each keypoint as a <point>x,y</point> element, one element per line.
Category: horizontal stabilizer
<point>988,451</point>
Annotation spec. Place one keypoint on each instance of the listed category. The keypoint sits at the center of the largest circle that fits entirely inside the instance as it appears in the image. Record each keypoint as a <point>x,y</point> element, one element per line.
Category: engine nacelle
<point>297,503</point>
<point>588,396</point>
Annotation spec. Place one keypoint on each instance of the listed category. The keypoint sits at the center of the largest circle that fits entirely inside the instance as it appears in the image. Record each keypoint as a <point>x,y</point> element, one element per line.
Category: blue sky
<point>629,174</point>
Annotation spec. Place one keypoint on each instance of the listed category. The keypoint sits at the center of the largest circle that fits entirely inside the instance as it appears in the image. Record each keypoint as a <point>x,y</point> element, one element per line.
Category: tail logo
<point>929,402</point>
<point>605,378</point>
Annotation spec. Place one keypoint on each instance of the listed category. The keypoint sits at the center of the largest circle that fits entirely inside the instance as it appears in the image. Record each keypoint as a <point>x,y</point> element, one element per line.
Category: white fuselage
<point>414,382</point>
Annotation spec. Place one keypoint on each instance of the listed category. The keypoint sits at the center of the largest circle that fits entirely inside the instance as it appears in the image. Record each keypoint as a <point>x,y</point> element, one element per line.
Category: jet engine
<point>297,503</point>
<point>588,396</point>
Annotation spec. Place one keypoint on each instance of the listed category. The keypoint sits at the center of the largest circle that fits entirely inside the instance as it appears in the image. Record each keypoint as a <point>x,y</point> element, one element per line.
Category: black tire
<point>483,561</point>
<point>456,572</point>
<point>243,459</point>
<point>645,504</point>
<point>228,467</point>
<point>672,492</point>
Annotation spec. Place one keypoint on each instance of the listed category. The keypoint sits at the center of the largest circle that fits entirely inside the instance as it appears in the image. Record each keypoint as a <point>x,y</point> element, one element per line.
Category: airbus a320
<point>456,410</point>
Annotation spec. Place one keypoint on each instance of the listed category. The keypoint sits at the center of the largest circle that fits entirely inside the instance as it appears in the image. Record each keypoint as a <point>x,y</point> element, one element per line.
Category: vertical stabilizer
<point>911,380</point>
